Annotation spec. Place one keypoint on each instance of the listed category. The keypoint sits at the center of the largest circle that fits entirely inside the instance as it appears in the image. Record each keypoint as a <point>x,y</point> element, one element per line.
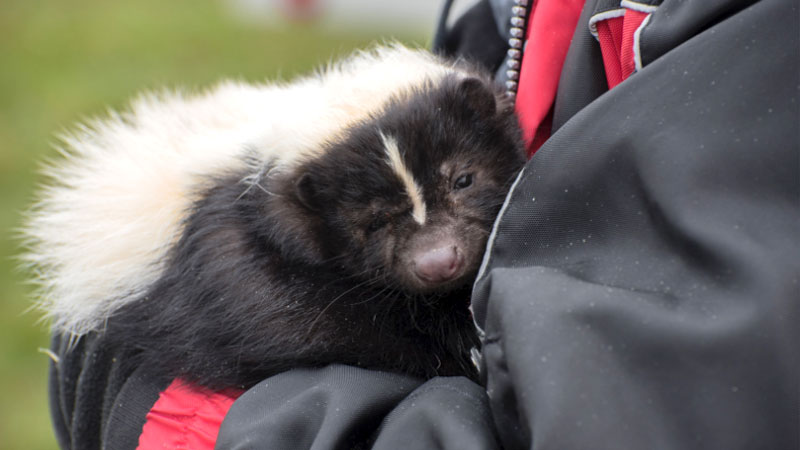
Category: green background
<point>62,62</point>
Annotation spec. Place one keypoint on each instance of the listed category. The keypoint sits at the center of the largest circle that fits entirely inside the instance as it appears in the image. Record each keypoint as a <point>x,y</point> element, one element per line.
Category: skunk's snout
<point>440,264</point>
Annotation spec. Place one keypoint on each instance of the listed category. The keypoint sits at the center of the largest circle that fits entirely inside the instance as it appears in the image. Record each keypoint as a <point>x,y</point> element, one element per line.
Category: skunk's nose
<point>439,264</point>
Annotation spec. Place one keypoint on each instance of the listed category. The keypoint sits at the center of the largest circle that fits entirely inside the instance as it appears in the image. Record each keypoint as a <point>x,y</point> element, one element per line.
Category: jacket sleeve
<point>641,288</point>
<point>99,398</point>
<point>351,408</point>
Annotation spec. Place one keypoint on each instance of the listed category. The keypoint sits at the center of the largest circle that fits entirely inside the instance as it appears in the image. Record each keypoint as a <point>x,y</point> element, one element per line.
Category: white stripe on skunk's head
<point>116,202</point>
<point>414,191</point>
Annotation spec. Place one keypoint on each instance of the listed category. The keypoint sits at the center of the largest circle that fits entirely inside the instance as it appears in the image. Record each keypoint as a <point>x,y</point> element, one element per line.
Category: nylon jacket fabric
<point>98,397</point>
<point>341,407</point>
<point>185,416</point>
<point>642,288</point>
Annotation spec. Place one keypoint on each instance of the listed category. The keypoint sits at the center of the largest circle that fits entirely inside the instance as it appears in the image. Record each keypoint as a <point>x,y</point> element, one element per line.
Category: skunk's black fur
<point>310,266</point>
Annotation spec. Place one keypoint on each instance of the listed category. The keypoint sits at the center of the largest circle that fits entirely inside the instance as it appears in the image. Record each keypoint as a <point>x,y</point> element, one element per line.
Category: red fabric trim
<point>616,43</point>
<point>186,417</point>
<point>633,20</point>
<point>550,28</point>
<point>542,133</point>
<point>609,34</point>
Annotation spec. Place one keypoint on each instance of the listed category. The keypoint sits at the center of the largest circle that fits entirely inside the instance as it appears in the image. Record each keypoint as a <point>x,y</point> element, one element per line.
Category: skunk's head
<point>408,196</point>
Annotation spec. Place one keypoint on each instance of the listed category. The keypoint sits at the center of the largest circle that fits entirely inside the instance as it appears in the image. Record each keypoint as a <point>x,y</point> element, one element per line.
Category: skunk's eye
<point>464,181</point>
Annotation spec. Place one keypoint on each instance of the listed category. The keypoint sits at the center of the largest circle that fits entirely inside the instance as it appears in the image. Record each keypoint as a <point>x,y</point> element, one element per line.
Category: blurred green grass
<point>62,62</point>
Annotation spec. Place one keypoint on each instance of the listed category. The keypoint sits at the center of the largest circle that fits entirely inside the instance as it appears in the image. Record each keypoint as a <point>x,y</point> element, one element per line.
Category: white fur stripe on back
<point>397,164</point>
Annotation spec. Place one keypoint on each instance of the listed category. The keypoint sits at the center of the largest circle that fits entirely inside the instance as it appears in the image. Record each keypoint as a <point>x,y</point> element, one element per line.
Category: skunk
<point>249,230</point>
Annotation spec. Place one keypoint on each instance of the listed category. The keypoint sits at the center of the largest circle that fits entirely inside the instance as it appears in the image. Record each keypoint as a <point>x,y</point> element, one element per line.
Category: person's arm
<point>350,408</point>
<point>642,284</point>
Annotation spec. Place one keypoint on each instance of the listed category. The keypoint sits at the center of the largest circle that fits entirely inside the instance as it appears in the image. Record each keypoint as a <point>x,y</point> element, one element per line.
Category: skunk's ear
<point>293,220</point>
<point>477,96</point>
<point>307,192</point>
